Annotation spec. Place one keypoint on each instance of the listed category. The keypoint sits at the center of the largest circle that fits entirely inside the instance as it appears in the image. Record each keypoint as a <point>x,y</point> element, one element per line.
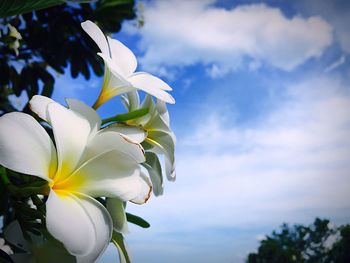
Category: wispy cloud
<point>289,166</point>
<point>237,183</point>
<point>181,33</point>
<point>336,64</point>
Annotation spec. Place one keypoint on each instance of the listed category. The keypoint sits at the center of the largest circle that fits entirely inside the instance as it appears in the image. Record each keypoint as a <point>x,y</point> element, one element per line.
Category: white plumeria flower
<point>159,138</point>
<point>120,66</point>
<point>6,248</point>
<point>85,163</point>
<point>13,32</point>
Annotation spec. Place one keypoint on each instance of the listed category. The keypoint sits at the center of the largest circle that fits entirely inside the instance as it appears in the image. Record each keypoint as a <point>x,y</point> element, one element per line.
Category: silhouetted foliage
<point>50,42</point>
<point>318,242</point>
<point>35,47</point>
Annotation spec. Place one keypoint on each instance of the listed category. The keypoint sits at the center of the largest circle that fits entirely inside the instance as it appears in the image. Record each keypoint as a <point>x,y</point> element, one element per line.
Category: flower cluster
<point>92,167</point>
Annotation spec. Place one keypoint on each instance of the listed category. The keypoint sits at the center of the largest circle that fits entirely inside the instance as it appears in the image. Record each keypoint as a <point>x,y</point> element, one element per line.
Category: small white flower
<point>13,32</point>
<point>158,137</point>
<point>120,66</point>
<point>6,248</point>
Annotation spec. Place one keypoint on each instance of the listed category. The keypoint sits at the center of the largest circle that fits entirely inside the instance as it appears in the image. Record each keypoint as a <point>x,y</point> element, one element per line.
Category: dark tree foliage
<point>50,42</point>
<point>309,244</point>
<point>340,252</point>
<point>53,42</point>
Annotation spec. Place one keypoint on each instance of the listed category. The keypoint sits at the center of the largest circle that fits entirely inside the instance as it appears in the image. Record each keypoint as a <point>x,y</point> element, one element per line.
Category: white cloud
<point>181,33</point>
<point>292,165</point>
<point>337,12</point>
<point>336,64</point>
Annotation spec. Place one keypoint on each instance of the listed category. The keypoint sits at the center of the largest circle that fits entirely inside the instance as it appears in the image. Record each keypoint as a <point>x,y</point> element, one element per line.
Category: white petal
<point>116,209</point>
<point>155,172</point>
<point>114,83</point>
<point>103,226</point>
<point>152,80</point>
<point>111,174</point>
<point>71,133</point>
<point>152,85</point>
<point>134,134</point>
<point>165,143</point>
<point>38,104</point>
<point>107,140</point>
<point>81,223</point>
<point>141,198</point>
<point>122,56</point>
<point>115,70</point>
<point>7,249</point>
<point>163,112</point>
<point>157,123</point>
<point>149,104</point>
<point>97,35</point>
<point>25,146</point>
<point>131,100</point>
<point>87,112</point>
<point>157,119</point>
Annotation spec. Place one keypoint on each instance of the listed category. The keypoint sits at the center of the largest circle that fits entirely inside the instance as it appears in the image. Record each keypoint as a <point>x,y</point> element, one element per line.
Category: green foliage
<point>16,7</point>
<point>51,42</point>
<point>35,248</point>
<point>309,244</point>
<point>40,40</point>
<point>4,258</point>
<point>340,252</point>
<point>118,241</point>
<point>127,116</point>
<point>137,220</point>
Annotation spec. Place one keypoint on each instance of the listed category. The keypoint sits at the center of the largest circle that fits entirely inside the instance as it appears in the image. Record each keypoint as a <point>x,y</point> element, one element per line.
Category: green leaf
<point>154,169</point>
<point>118,241</point>
<point>127,116</point>
<point>14,235</point>
<point>48,81</point>
<point>3,195</point>
<point>17,7</point>
<point>43,248</point>
<point>137,220</point>
<point>38,248</point>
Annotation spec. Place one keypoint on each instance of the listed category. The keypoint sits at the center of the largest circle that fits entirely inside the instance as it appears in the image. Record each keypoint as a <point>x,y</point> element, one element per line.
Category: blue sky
<point>261,117</point>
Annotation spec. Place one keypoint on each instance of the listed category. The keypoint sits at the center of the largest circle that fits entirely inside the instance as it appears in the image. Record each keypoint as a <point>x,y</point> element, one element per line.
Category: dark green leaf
<point>3,195</point>
<point>137,220</point>
<point>16,7</point>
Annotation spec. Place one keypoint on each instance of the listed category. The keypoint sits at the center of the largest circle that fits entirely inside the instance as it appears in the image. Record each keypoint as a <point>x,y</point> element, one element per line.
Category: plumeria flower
<point>85,162</point>
<point>159,138</point>
<point>120,66</point>
<point>6,248</point>
<point>16,36</point>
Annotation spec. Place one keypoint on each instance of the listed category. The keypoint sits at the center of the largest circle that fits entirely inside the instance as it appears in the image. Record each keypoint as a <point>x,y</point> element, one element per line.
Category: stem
<point>107,120</point>
<point>4,177</point>
<point>127,116</point>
